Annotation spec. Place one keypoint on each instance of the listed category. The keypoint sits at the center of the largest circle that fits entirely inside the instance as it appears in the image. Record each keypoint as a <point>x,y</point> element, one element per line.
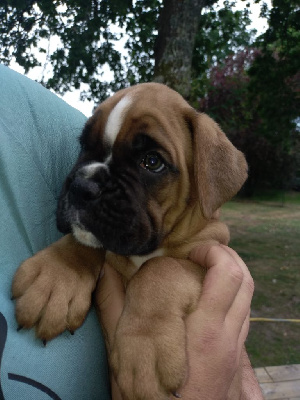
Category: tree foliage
<point>275,74</point>
<point>229,102</point>
<point>85,33</point>
<point>141,29</point>
<point>84,36</point>
<point>254,95</point>
<point>222,32</point>
<point>251,88</point>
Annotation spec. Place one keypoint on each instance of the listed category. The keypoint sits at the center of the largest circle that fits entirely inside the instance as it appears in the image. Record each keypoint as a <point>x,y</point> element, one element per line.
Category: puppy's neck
<point>138,261</point>
<point>191,230</point>
<point>187,226</point>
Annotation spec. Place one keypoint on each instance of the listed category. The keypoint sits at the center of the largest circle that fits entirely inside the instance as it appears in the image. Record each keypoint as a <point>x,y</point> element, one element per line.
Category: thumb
<point>109,300</point>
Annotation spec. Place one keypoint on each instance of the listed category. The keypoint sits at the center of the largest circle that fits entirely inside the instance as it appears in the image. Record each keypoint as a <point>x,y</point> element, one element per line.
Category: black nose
<point>82,191</point>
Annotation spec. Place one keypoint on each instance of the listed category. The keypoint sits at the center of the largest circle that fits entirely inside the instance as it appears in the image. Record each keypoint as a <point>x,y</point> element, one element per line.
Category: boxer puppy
<point>145,190</point>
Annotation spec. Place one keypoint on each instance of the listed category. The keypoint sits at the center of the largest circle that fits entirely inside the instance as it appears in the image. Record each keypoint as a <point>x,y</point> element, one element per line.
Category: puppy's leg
<point>53,288</point>
<point>148,356</point>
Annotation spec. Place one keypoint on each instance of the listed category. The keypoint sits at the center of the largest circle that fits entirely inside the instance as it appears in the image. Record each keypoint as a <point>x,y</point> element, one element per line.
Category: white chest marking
<point>138,261</point>
<point>116,118</point>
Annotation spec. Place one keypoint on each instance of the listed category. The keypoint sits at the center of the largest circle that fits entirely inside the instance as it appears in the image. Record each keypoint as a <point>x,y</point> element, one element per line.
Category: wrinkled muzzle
<point>107,210</point>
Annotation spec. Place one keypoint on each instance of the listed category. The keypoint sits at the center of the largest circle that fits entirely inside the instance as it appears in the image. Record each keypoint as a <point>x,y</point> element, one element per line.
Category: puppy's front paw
<point>53,288</point>
<point>148,358</point>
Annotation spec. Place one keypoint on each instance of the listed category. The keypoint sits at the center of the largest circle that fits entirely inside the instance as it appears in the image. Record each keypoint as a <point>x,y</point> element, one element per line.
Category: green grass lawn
<point>266,234</point>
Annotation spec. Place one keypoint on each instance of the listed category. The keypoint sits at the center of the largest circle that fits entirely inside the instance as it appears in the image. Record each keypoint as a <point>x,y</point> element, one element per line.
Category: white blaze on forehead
<point>116,118</point>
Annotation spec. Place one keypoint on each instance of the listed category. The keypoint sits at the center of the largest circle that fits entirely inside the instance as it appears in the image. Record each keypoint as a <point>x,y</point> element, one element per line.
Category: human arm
<point>218,329</point>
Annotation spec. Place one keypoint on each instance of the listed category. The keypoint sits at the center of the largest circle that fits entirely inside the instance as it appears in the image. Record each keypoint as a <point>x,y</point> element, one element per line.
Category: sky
<point>86,107</point>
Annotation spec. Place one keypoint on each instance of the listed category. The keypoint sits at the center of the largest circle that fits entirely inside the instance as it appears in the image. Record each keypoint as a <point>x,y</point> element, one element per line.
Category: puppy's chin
<point>85,237</point>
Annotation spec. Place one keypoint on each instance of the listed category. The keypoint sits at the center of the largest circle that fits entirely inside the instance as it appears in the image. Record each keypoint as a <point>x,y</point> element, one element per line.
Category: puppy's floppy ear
<point>219,168</point>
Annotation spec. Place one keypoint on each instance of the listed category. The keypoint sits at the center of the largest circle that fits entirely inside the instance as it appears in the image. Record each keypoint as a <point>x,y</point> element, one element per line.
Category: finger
<point>248,283</point>
<point>244,331</point>
<point>238,260</point>
<point>205,255</point>
<point>239,311</point>
<point>109,300</point>
<point>240,308</point>
<point>222,281</point>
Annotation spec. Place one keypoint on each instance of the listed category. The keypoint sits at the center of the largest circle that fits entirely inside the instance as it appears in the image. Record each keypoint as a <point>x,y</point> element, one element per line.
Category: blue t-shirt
<point>38,145</point>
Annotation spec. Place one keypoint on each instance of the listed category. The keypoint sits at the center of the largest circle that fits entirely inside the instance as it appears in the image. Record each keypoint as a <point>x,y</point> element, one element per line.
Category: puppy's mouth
<point>114,218</point>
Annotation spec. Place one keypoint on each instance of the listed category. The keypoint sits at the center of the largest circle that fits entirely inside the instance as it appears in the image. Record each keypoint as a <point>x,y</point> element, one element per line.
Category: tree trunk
<point>177,28</point>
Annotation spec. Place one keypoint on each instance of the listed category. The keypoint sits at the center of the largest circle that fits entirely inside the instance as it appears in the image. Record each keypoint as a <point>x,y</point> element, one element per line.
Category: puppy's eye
<point>153,162</point>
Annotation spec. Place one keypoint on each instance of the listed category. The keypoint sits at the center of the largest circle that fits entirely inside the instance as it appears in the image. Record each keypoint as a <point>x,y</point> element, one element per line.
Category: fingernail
<point>101,273</point>
<point>177,395</point>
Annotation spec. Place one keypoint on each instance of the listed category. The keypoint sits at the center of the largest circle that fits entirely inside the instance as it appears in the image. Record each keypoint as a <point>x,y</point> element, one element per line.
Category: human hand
<point>216,331</point>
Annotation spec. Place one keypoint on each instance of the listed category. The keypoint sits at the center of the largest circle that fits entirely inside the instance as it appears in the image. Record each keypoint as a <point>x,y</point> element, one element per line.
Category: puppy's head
<point>146,157</point>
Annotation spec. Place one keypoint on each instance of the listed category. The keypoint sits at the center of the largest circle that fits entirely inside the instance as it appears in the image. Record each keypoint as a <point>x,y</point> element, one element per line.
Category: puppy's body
<point>146,189</point>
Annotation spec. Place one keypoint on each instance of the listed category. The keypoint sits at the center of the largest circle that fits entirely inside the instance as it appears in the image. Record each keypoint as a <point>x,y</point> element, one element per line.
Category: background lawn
<point>266,234</point>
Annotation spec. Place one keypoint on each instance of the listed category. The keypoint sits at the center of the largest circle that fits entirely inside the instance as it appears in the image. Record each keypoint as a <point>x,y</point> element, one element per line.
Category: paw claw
<point>19,328</point>
<point>44,341</point>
